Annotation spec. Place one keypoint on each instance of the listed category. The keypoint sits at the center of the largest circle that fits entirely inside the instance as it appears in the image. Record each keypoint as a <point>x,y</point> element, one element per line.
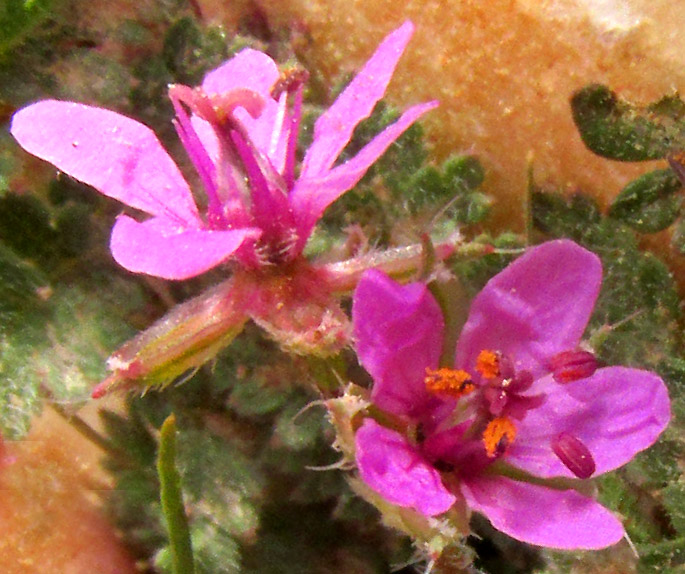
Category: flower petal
<point>249,69</point>
<point>158,247</point>
<point>535,308</point>
<point>118,156</point>
<point>616,413</point>
<point>311,196</point>
<point>398,329</point>
<point>334,128</point>
<point>562,519</point>
<point>397,471</point>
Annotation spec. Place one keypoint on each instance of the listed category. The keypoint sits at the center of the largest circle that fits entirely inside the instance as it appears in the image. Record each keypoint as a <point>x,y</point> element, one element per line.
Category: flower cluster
<point>520,416</point>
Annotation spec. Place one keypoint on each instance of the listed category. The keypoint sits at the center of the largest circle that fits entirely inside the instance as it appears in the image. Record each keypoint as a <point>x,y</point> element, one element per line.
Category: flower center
<point>494,397</point>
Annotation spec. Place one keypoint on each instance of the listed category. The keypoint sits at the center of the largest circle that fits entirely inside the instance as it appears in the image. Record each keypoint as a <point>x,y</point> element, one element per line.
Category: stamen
<point>291,79</point>
<point>574,454</point>
<point>570,366</point>
<point>487,364</point>
<point>498,435</point>
<point>293,132</point>
<point>452,383</point>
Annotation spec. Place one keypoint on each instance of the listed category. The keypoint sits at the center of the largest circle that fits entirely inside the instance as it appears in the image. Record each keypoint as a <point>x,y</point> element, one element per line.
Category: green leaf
<point>674,502</point>
<point>214,550</point>
<point>616,129</point>
<point>452,187</point>
<point>189,51</point>
<point>220,482</point>
<point>17,19</point>
<point>22,287</point>
<point>563,216</point>
<point>649,204</point>
<point>299,429</point>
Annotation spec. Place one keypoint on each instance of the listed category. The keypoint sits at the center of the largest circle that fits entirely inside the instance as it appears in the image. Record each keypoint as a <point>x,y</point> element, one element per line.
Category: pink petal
<point>562,519</point>
<point>397,471</point>
<point>399,331</point>
<point>311,196</point>
<point>158,247</point>
<point>334,128</point>
<point>118,156</point>
<point>205,133</point>
<point>535,308</point>
<point>269,132</point>
<point>616,413</point>
<point>248,69</point>
<point>257,71</point>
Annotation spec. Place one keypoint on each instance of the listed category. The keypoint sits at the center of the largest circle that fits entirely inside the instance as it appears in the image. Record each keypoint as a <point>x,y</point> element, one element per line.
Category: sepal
<point>191,334</point>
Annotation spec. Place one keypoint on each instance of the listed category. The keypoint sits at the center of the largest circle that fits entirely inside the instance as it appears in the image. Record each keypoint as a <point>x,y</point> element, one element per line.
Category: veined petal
<point>310,197</point>
<point>334,128</point>
<point>535,308</point>
<point>616,413</point>
<point>118,156</point>
<point>397,471</point>
<point>398,329</point>
<point>249,69</point>
<point>562,519</point>
<point>161,248</point>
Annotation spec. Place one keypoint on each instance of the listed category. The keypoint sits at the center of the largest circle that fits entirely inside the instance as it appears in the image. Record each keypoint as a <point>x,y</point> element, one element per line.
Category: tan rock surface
<point>51,519</point>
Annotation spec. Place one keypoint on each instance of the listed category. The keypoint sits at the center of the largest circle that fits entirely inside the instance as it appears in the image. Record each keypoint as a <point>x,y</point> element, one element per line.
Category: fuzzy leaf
<point>18,18</point>
<point>674,501</point>
<point>562,216</point>
<point>22,287</point>
<point>215,551</point>
<point>649,203</point>
<point>453,186</point>
<point>219,482</point>
<point>616,129</point>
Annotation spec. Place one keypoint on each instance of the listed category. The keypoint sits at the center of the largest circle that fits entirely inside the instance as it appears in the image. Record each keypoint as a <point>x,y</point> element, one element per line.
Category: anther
<point>447,382</point>
<point>488,364</point>
<point>498,436</point>
<point>574,454</point>
<point>569,366</point>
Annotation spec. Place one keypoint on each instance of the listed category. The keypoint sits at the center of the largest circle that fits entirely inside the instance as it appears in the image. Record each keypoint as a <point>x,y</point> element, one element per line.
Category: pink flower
<point>522,405</point>
<point>241,136</point>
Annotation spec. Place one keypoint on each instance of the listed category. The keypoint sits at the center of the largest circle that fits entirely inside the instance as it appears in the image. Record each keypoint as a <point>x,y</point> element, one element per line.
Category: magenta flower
<point>522,405</point>
<point>241,136</point>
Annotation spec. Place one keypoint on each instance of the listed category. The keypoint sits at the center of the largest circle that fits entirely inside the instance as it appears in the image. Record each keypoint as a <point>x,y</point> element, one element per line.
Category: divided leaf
<point>649,203</point>
<point>616,129</point>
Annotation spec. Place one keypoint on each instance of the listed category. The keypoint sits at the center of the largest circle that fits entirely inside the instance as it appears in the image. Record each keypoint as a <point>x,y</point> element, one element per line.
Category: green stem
<point>172,501</point>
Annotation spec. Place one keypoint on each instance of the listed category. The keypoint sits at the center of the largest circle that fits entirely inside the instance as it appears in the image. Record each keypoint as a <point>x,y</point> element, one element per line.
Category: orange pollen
<point>498,435</point>
<point>487,364</point>
<point>453,383</point>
